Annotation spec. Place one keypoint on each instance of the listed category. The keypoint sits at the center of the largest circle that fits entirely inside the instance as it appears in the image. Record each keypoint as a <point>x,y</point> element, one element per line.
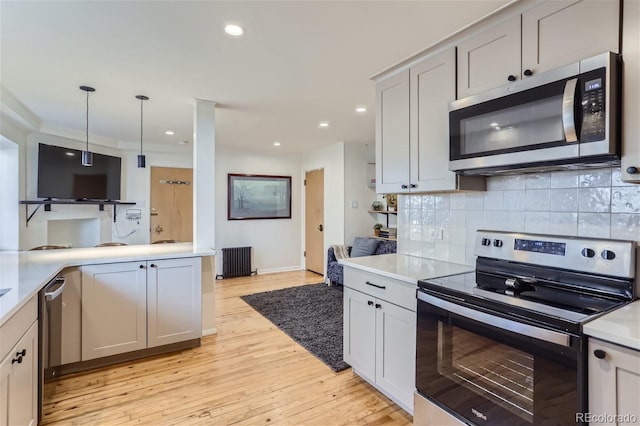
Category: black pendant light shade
<point>87,156</point>
<point>142,161</point>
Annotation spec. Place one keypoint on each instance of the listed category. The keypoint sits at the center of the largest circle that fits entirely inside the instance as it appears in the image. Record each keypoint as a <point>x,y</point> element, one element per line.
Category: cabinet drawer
<point>397,292</point>
<point>16,326</point>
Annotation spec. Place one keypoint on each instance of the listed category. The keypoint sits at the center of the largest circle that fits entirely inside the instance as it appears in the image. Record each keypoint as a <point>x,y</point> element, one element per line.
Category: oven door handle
<point>568,108</point>
<point>499,322</point>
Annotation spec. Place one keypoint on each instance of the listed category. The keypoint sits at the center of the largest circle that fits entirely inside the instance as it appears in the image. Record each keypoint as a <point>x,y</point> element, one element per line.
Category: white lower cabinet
<point>135,305</point>
<point>173,301</point>
<point>379,343</point>
<point>614,383</point>
<point>19,368</point>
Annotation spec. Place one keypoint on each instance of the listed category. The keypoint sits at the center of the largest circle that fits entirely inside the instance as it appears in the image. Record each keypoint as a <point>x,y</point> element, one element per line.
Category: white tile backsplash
<point>589,203</point>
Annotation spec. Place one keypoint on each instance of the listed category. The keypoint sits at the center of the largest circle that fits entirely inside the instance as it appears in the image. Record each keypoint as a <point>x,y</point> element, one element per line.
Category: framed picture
<point>258,197</point>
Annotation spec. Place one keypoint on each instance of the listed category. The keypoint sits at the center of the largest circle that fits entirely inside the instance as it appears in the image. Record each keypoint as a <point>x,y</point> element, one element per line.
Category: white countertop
<point>621,326</point>
<point>25,273</point>
<point>405,268</point>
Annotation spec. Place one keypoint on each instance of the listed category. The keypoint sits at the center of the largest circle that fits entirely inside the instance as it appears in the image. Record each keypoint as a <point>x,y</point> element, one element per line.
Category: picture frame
<point>258,197</point>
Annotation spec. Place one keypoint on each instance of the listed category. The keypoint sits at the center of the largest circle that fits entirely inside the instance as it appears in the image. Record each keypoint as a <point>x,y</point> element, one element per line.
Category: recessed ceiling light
<point>234,30</point>
<point>494,124</point>
<point>276,143</point>
<point>183,142</point>
<point>169,132</point>
<point>70,154</point>
<point>361,109</point>
<point>323,124</point>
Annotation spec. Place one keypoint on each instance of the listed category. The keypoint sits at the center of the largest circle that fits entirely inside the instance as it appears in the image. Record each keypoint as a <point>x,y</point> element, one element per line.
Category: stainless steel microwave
<point>563,118</point>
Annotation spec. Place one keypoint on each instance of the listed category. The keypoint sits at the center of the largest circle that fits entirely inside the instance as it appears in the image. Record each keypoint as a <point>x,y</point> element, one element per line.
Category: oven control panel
<point>599,256</point>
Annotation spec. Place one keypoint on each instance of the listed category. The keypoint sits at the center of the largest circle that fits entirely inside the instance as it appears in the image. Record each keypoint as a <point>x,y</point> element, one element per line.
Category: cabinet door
<point>359,333</point>
<point>614,381</point>
<point>486,60</point>
<point>433,86</point>
<point>631,84</point>
<point>173,301</point>
<point>396,352</point>
<point>558,33</point>
<point>114,311</point>
<point>19,382</point>
<point>392,134</point>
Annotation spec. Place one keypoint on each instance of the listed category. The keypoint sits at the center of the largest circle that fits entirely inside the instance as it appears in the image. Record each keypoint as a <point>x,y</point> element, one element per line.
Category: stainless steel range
<point>503,345</point>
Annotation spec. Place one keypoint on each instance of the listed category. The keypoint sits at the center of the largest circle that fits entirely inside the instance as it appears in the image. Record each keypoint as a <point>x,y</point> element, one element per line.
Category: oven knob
<point>587,252</point>
<point>486,242</point>
<point>497,243</point>
<point>608,254</point>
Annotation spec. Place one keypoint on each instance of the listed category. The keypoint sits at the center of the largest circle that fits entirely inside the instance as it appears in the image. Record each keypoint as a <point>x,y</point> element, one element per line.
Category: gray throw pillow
<point>364,246</point>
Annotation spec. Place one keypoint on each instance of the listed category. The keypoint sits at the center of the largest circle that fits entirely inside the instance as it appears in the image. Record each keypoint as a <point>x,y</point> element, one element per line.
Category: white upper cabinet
<point>412,129</point>
<point>557,33</point>
<point>392,133</point>
<point>489,59</point>
<point>433,86</point>
<point>547,36</point>
<point>631,84</point>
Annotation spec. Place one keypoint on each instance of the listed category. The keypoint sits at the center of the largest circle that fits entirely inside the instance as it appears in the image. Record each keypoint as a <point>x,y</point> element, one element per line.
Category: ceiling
<point>298,63</point>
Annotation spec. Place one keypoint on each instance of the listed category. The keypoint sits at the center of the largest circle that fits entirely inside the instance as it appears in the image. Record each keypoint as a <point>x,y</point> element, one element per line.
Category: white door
<point>19,382</point>
<point>396,352</point>
<point>392,134</point>
<point>433,86</point>
<point>114,309</point>
<point>359,333</point>
<point>558,33</point>
<point>173,301</point>
<point>488,59</point>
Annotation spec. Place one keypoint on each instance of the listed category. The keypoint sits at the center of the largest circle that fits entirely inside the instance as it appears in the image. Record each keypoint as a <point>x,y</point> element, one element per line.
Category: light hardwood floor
<point>250,373</point>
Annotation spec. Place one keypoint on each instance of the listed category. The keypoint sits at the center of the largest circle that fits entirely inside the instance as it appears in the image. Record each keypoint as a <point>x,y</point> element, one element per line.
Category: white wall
<point>9,195</point>
<point>135,186</point>
<point>589,203</point>
<point>276,242</point>
<point>358,195</point>
<point>331,159</point>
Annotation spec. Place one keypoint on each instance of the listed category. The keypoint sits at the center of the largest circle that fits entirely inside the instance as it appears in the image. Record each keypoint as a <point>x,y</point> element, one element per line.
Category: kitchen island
<point>114,303</point>
<point>23,274</point>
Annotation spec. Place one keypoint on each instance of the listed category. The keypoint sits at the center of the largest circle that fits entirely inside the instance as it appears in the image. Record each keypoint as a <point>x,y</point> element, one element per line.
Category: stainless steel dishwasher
<point>51,299</point>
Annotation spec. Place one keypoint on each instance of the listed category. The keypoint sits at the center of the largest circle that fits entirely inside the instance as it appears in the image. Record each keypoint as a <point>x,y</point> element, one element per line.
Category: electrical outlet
<point>435,233</point>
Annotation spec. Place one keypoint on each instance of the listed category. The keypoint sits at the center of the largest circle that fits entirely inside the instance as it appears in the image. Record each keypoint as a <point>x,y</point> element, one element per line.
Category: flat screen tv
<point>62,175</point>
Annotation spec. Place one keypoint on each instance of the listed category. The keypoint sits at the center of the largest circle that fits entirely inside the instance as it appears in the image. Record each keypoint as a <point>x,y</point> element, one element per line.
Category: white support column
<point>204,203</point>
<point>204,151</point>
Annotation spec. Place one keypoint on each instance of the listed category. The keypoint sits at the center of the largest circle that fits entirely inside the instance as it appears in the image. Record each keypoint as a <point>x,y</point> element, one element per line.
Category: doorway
<point>314,221</point>
<point>171,204</point>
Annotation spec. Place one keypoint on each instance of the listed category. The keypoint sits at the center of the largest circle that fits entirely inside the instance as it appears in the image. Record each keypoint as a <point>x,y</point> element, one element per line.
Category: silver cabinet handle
<point>568,105</point>
<point>49,296</point>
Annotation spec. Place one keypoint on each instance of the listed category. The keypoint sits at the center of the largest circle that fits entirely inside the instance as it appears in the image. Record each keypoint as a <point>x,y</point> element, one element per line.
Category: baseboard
<point>209,331</point>
<point>285,269</point>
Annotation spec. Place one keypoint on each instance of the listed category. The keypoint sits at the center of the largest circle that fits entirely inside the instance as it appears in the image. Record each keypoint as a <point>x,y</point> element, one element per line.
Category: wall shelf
<point>47,205</point>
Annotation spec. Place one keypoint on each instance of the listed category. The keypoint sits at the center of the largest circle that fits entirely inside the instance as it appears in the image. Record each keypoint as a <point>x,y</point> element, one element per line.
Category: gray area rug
<point>310,314</point>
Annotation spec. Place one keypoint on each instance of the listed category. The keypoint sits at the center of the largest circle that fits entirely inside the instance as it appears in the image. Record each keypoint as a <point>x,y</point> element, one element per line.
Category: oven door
<point>491,370</point>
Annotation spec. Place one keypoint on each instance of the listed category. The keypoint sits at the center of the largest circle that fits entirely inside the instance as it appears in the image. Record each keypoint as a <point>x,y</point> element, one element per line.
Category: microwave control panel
<point>593,106</point>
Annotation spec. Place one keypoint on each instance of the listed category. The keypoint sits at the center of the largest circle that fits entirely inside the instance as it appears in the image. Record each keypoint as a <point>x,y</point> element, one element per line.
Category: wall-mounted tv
<point>62,175</point>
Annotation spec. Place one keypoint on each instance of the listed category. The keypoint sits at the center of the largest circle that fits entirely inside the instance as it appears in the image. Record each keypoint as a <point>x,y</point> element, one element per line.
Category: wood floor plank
<point>249,373</point>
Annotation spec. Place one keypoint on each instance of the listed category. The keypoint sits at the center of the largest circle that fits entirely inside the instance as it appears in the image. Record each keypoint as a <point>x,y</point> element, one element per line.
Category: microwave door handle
<point>568,110</point>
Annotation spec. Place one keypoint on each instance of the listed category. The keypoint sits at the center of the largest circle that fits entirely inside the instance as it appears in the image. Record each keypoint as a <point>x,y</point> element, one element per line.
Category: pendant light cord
<point>141,101</point>
<point>87,128</point>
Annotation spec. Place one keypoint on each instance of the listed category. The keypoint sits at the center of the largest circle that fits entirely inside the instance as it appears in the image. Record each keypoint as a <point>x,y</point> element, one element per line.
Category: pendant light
<point>87,156</point>
<point>142,161</point>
